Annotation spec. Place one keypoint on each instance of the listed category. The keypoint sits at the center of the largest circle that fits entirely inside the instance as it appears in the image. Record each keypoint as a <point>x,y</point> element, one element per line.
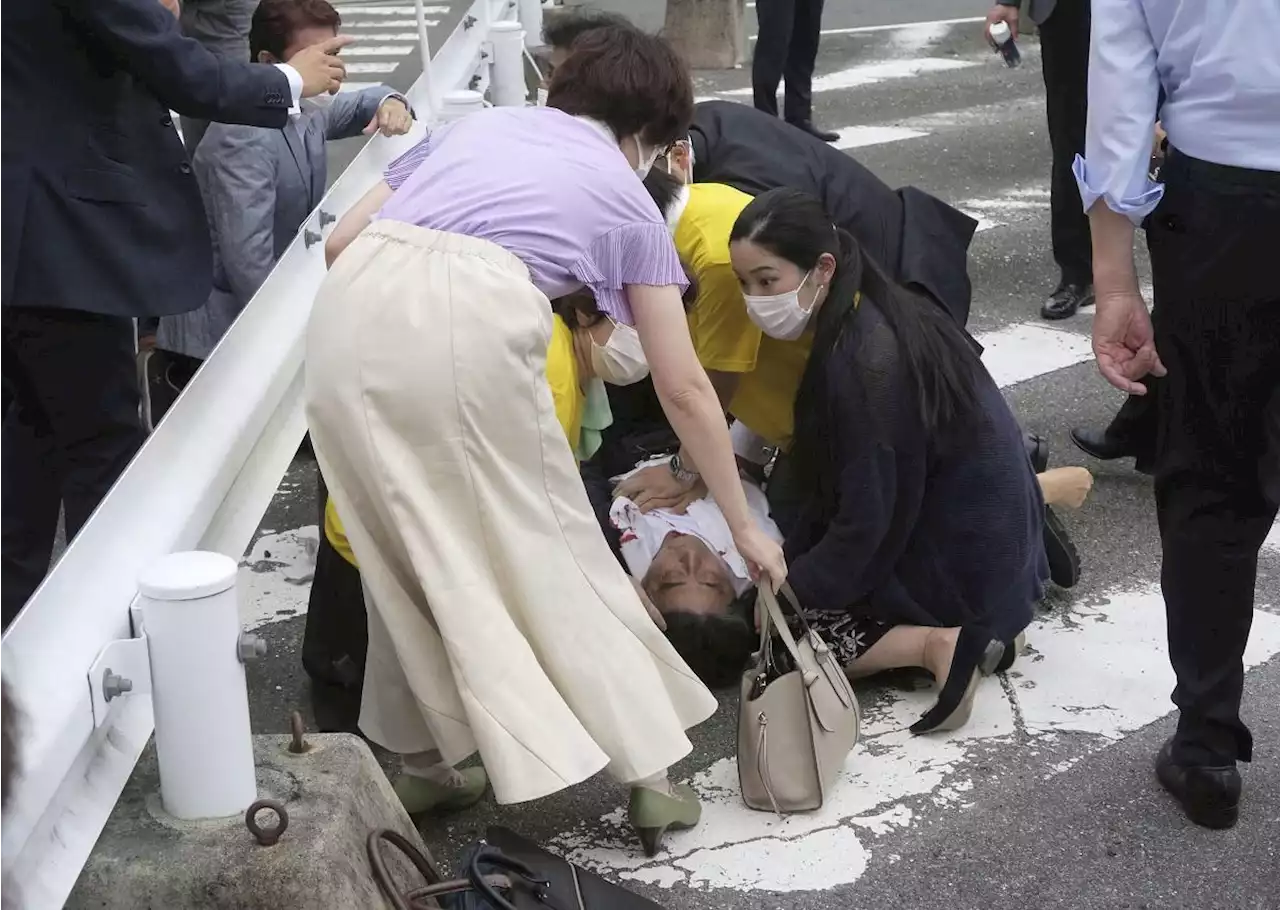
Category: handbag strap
<point>772,613</point>
<point>421,861</point>
<point>490,856</point>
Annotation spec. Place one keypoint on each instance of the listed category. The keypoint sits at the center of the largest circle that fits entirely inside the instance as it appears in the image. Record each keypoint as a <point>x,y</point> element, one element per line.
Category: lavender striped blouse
<point>550,188</point>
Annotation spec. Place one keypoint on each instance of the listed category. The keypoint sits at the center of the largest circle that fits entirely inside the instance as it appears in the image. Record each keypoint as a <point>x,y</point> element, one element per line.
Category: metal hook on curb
<point>267,837</point>
<point>299,745</point>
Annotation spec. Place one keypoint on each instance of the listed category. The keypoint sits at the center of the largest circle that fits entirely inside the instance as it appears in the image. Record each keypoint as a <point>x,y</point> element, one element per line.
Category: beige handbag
<point>798,717</point>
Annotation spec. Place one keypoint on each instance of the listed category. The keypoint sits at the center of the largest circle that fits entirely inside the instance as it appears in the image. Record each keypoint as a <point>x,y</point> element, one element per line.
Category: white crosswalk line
<point>1017,353</point>
<point>355,27</point>
<point>379,50</point>
<point>871,29</point>
<point>410,37</point>
<point>362,68</point>
<point>363,10</point>
<point>871,73</point>
<point>853,137</point>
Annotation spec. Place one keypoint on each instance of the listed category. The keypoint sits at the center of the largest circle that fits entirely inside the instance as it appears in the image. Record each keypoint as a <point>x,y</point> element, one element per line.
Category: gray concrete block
<point>335,795</point>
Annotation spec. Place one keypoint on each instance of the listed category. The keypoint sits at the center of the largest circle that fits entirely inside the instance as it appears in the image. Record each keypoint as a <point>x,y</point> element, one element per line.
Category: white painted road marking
<point>853,137</point>
<point>406,37</point>
<point>360,68</point>
<point>868,29</point>
<point>1091,676</point>
<point>871,73</point>
<point>379,50</point>
<point>1017,353</point>
<point>362,10</point>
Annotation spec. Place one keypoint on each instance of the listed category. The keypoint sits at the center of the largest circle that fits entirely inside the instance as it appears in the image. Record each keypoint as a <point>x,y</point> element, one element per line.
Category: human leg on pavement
<point>1064,45</point>
<point>1219,337</point>
<point>72,427</point>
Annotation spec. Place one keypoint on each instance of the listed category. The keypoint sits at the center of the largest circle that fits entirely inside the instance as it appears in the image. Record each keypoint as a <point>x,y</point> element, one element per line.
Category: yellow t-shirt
<point>562,376</point>
<point>724,336</point>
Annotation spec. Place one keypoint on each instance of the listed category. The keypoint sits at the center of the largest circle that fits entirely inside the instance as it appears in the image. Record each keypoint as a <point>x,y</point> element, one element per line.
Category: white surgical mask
<point>621,360</point>
<point>645,162</point>
<point>781,316</point>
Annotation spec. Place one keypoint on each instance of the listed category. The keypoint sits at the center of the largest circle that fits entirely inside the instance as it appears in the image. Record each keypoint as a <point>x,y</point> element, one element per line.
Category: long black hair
<point>935,356</point>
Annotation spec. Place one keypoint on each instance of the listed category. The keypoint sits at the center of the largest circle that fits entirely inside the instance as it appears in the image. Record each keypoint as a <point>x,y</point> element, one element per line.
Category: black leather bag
<point>503,872</point>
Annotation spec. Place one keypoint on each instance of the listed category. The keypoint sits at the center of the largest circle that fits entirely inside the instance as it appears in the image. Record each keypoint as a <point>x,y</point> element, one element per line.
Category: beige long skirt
<point>499,619</point>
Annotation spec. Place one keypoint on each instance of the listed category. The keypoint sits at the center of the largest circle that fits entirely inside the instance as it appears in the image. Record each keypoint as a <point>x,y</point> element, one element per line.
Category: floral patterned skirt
<point>848,633</point>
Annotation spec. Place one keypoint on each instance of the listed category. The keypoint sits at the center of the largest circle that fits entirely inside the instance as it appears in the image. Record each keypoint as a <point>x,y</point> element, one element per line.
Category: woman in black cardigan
<point>912,514</point>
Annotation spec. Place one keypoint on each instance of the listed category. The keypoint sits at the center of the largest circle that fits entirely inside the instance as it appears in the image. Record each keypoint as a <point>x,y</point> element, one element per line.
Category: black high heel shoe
<point>978,654</point>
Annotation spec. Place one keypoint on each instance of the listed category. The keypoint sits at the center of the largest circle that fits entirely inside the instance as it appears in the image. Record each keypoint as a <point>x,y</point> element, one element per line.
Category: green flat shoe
<point>653,814</point>
<point>420,795</point>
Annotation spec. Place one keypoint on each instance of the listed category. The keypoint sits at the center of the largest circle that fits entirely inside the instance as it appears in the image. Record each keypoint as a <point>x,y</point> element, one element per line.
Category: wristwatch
<point>681,473</point>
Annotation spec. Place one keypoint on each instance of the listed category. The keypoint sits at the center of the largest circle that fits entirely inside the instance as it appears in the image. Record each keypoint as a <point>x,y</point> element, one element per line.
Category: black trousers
<point>787,48</point>
<point>1212,244</point>
<point>70,428</point>
<point>1064,49</point>
<point>1137,422</point>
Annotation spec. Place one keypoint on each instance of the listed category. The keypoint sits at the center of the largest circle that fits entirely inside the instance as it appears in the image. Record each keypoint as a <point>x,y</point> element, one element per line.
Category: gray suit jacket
<point>1037,10</point>
<point>259,186</point>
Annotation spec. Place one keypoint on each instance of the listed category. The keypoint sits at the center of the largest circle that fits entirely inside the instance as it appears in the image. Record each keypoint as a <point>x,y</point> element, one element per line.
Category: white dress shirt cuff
<point>1135,208</point>
<point>295,87</point>
<point>398,97</point>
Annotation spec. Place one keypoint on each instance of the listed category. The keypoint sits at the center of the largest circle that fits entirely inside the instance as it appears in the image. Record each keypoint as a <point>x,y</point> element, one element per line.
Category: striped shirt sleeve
<point>402,168</point>
<point>638,253</point>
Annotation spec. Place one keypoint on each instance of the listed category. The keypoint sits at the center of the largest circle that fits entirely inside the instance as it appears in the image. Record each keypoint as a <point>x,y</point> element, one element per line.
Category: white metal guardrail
<point>202,481</point>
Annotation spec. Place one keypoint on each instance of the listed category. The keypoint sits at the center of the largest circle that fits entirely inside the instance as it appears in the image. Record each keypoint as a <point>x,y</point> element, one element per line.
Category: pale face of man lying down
<point>687,576</point>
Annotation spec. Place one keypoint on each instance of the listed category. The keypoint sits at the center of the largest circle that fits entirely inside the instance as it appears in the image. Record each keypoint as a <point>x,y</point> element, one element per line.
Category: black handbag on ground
<point>503,872</point>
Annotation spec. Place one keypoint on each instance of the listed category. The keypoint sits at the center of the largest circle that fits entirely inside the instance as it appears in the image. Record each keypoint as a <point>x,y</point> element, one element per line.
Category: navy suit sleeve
<point>145,39</point>
<point>880,465</point>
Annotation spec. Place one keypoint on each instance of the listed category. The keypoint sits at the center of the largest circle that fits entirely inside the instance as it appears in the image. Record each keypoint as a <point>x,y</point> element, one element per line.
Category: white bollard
<point>506,85</point>
<point>203,741</point>
<point>456,105</point>
<point>530,13</point>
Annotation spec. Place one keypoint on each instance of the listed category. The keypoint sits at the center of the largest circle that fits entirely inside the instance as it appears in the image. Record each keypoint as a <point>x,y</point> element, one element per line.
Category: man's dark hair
<point>716,646</point>
<point>275,22</point>
<point>562,31</point>
<point>633,82</point>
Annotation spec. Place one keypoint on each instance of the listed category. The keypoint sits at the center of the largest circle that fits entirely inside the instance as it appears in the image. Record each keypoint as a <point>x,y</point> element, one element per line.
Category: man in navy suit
<point>102,224</point>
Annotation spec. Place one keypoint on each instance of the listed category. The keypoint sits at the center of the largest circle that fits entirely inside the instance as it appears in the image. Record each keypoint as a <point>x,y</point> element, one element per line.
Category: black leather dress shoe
<point>1101,445</point>
<point>1210,796</point>
<point>1066,301</point>
<point>813,130</point>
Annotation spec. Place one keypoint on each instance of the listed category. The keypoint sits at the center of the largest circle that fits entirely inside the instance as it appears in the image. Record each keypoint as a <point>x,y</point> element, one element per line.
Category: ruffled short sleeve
<point>399,170</point>
<point>637,253</point>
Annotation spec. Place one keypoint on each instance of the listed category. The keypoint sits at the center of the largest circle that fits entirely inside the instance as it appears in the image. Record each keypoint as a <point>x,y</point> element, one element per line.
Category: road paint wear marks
<point>274,581</point>
<point>1098,672</point>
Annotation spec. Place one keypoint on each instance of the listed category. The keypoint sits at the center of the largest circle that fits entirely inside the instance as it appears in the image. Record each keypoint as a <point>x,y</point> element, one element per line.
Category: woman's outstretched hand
<point>763,556</point>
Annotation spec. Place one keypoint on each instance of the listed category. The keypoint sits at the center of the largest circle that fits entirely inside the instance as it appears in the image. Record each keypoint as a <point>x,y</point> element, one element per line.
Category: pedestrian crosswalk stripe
<point>852,137</point>
<point>871,73</point>
<point>360,68</point>
<point>362,10</point>
<point>379,50</point>
<point>362,37</point>
<point>354,27</point>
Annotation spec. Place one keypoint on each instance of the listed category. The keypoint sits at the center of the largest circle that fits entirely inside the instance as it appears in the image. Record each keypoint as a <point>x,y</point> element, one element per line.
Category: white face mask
<point>621,360</point>
<point>645,161</point>
<point>781,316</point>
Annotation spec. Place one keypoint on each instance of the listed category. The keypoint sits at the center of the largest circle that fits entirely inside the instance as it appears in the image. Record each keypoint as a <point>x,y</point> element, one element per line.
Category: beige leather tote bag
<point>798,717</point>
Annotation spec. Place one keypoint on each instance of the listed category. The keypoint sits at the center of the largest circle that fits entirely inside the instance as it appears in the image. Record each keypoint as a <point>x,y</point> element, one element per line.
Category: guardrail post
<point>424,51</point>
<point>204,745</point>
<point>507,85</point>
<point>530,13</point>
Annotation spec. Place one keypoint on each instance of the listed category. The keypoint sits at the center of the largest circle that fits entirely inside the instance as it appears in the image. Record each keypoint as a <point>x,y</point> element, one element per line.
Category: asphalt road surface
<point>1047,798</point>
